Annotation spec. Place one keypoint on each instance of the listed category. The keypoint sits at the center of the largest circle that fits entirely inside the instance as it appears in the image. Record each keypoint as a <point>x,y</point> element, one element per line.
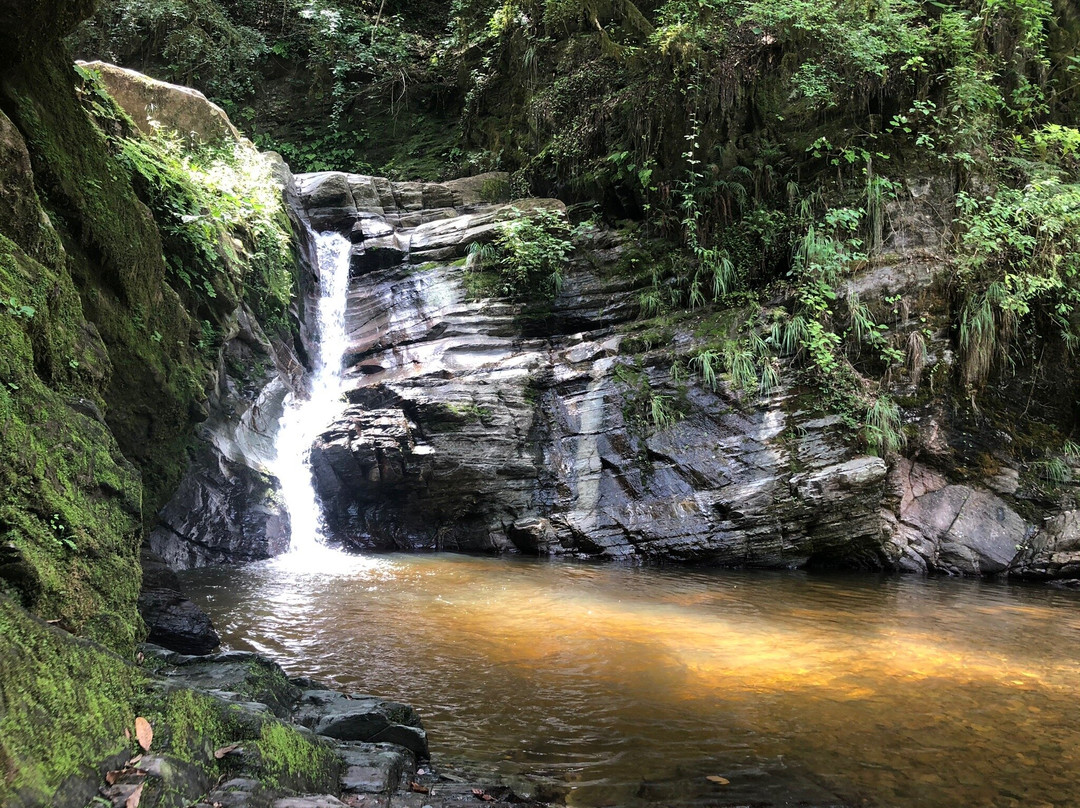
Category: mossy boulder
<point>70,502</point>
<point>66,706</point>
<point>154,105</point>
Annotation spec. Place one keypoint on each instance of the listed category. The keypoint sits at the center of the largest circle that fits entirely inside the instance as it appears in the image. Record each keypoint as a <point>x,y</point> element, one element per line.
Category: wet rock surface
<point>172,620</point>
<point>226,509</point>
<point>478,424</point>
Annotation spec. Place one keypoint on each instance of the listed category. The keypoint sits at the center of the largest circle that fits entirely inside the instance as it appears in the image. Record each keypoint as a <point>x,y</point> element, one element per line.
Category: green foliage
<point>288,757</point>
<point>529,253</point>
<point>645,406</point>
<point>225,229</point>
<point>1057,468</point>
<point>748,362</point>
<point>842,46</point>
<point>883,428</point>
<point>353,59</point>
<point>17,309</point>
<point>1019,254</point>
<point>200,43</point>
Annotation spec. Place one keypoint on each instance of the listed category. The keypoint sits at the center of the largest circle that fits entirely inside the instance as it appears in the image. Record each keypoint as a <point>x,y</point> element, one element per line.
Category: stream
<point>628,686</point>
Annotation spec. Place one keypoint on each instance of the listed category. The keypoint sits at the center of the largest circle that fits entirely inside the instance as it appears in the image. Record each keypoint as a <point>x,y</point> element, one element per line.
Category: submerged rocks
<point>361,718</point>
<point>368,748</point>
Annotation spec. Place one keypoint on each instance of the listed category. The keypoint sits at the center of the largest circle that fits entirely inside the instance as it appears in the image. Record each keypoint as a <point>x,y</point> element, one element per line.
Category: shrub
<point>529,252</point>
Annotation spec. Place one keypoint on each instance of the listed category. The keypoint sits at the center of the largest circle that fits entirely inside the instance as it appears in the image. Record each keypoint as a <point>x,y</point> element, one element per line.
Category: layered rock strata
<point>478,424</point>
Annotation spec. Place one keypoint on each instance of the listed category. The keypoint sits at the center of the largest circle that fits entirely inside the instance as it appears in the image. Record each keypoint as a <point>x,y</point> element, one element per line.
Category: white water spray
<point>304,418</point>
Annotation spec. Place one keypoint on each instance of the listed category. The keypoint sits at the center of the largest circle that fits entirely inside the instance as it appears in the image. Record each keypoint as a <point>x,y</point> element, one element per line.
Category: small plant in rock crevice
<point>528,253</point>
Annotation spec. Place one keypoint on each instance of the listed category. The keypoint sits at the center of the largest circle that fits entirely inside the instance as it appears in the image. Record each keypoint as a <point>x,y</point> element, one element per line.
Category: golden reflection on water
<point>629,685</point>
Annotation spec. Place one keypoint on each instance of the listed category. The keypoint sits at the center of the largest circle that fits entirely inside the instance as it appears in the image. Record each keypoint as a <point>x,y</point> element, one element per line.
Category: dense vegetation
<point>125,260</point>
<point>764,141</point>
<point>74,502</point>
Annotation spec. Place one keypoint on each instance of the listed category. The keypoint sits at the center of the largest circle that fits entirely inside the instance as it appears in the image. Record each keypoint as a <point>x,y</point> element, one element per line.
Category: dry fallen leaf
<point>129,770</point>
<point>715,778</point>
<point>419,789</point>
<point>133,799</point>
<point>223,751</point>
<point>144,732</point>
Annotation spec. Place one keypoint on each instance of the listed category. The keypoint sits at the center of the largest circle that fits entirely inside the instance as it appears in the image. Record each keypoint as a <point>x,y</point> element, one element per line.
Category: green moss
<point>66,705</point>
<point>290,759</point>
<point>267,683</point>
<point>469,411</point>
<point>480,284</point>
<point>69,501</point>
<point>114,258</point>
<point>190,726</point>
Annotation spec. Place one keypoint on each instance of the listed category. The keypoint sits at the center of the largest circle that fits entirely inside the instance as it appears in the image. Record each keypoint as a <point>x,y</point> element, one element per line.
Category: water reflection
<point>629,685</point>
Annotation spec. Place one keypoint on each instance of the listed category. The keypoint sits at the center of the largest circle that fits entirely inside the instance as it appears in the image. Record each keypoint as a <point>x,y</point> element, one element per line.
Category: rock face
<point>226,508</point>
<point>953,528</point>
<point>480,424</point>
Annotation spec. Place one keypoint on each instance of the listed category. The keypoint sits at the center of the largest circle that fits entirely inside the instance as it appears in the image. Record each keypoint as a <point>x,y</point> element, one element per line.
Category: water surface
<point>628,686</point>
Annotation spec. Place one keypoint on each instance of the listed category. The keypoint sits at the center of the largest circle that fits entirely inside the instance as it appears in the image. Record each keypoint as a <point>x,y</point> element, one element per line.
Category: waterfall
<point>304,418</point>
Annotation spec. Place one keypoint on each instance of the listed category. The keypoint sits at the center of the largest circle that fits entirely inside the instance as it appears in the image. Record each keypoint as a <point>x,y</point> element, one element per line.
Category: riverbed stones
<point>236,676</point>
<point>374,768</point>
<point>361,718</point>
<point>249,680</point>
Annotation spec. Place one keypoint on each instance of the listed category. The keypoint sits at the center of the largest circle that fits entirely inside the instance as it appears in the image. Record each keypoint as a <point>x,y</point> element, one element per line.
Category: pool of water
<point>617,685</point>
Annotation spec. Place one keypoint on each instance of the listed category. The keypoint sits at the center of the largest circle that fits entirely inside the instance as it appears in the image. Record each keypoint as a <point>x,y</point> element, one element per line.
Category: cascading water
<point>304,418</point>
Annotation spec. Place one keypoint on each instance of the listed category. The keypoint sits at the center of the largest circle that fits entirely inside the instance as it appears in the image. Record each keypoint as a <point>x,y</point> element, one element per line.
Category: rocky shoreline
<point>376,750</point>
